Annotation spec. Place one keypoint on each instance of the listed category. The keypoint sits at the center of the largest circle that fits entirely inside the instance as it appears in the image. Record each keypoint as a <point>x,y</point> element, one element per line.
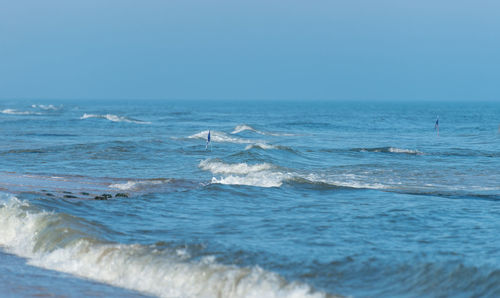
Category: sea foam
<point>136,185</point>
<point>16,112</point>
<point>268,175</point>
<point>389,150</point>
<point>49,240</point>
<point>114,118</point>
<point>261,175</point>
<point>219,137</point>
<point>47,107</point>
<point>245,127</point>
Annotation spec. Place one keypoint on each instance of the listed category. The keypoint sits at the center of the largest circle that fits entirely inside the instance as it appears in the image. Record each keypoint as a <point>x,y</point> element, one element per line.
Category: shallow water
<point>289,199</point>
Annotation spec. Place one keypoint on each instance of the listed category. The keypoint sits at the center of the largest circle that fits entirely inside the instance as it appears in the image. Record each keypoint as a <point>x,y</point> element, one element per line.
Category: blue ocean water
<point>290,199</point>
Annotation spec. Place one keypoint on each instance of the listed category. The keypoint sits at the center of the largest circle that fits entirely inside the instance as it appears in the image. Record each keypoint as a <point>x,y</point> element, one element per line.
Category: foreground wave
<point>60,242</point>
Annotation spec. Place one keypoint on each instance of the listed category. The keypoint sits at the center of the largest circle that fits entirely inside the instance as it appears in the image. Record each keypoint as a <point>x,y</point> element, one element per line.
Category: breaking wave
<point>68,244</point>
<point>16,112</point>
<point>261,175</point>
<point>265,146</point>
<point>268,175</point>
<point>138,185</point>
<point>47,107</point>
<point>218,167</point>
<point>389,150</point>
<point>244,127</point>
<point>114,118</point>
<point>219,137</point>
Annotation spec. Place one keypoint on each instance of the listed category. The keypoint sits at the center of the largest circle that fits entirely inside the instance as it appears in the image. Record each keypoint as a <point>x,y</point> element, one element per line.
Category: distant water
<point>290,199</point>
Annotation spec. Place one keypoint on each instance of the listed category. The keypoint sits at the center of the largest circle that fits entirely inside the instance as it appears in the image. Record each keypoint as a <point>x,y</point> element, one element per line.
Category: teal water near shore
<point>290,199</point>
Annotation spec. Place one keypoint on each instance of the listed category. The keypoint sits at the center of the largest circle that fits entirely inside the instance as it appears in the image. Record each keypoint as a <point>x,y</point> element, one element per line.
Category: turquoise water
<point>290,199</point>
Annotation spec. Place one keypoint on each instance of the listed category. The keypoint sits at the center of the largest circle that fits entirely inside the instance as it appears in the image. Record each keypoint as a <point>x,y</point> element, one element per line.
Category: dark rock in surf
<point>121,195</point>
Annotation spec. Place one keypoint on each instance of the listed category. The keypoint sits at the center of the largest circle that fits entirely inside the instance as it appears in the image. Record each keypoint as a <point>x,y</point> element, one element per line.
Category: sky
<point>250,50</point>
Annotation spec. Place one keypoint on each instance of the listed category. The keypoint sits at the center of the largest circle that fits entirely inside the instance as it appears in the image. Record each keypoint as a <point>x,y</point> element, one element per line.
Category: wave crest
<point>244,127</point>
<point>57,242</point>
<point>261,175</point>
<point>389,150</point>
<point>47,107</point>
<point>138,185</point>
<point>16,112</point>
<point>219,137</point>
<point>114,118</point>
<point>218,167</point>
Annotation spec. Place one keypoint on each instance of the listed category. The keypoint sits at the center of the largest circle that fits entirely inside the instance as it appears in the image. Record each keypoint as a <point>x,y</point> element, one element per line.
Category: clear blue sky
<point>250,49</point>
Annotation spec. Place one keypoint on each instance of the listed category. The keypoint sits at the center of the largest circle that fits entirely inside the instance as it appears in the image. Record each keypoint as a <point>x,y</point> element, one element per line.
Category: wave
<point>244,127</point>
<point>114,118</point>
<point>338,181</point>
<point>47,107</point>
<point>138,184</point>
<point>268,175</point>
<point>219,137</point>
<point>389,150</point>
<point>218,167</point>
<point>261,175</point>
<point>69,244</point>
<point>265,146</point>
<point>16,112</point>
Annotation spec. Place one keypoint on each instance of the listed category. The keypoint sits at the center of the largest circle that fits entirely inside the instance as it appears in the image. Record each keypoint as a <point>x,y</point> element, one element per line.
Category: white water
<point>113,118</point>
<point>219,137</point>
<point>16,112</point>
<point>261,175</point>
<point>244,127</point>
<point>39,237</point>
<point>268,175</point>
<point>47,107</point>
<point>135,185</point>
<point>406,151</point>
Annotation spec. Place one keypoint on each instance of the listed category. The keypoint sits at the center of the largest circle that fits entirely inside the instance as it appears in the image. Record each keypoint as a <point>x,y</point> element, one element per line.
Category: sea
<point>126,198</point>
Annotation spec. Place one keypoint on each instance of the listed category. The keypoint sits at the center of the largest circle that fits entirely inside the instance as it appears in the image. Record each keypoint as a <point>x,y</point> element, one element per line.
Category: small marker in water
<point>208,141</point>
<point>436,126</point>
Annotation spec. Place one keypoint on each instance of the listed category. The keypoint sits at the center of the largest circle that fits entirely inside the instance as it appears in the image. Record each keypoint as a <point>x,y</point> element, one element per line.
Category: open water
<point>290,199</point>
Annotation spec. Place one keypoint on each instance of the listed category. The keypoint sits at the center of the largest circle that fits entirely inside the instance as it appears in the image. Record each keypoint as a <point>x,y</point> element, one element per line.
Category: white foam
<point>405,151</point>
<point>244,127</point>
<point>114,118</point>
<point>219,137</point>
<point>47,107</point>
<point>16,112</point>
<point>218,167</point>
<point>260,180</point>
<point>27,232</point>
<point>260,175</point>
<point>134,185</point>
<point>261,146</point>
<point>346,180</point>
